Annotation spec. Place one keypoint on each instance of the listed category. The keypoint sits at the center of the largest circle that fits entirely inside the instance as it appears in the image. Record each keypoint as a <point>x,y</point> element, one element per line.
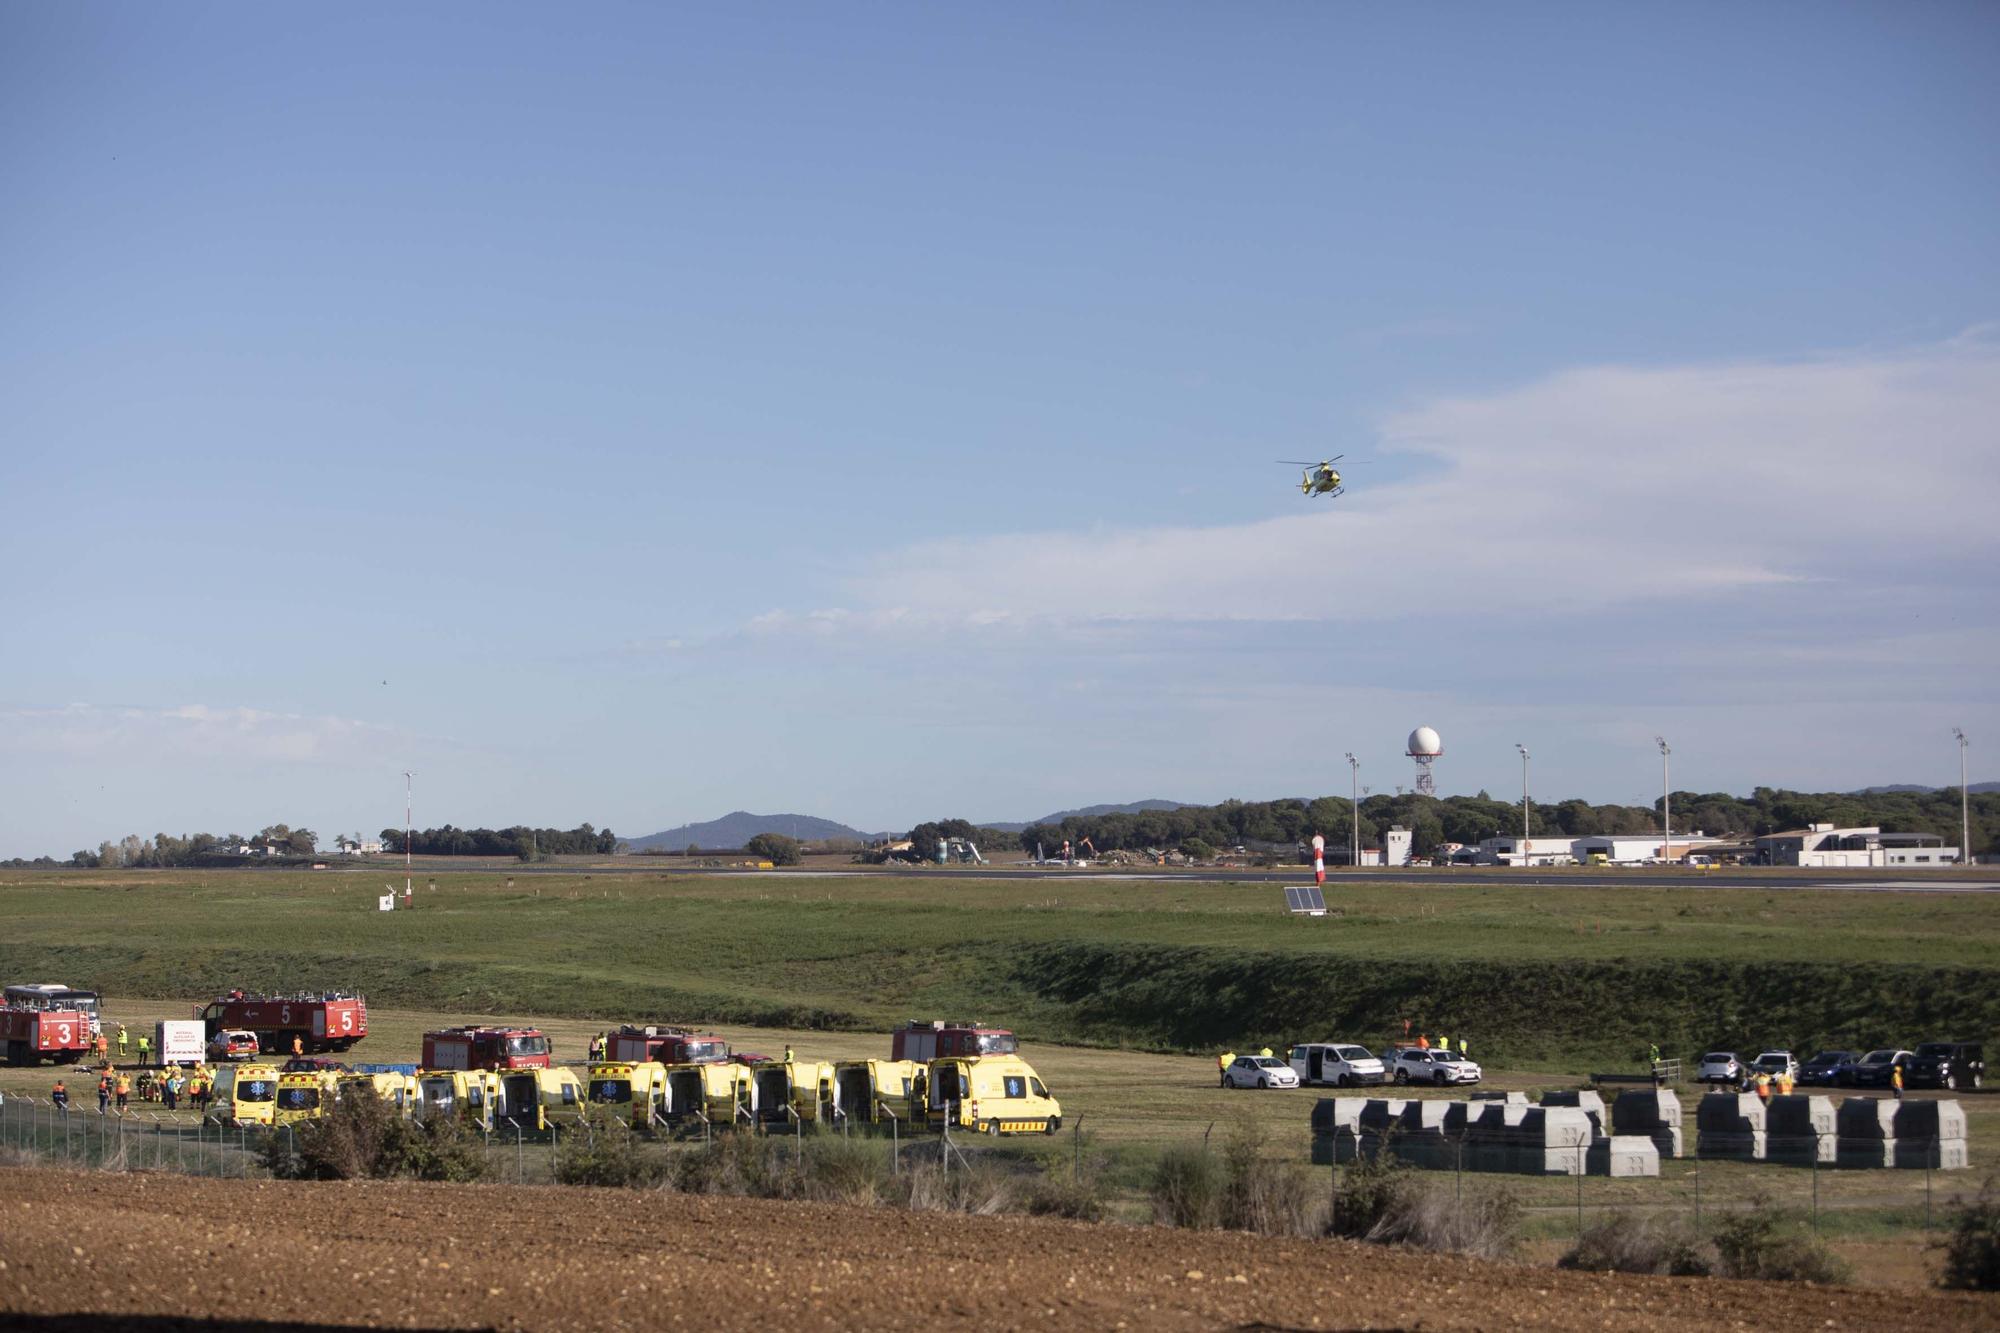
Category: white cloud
<point>1586,489</point>
<point>188,732</point>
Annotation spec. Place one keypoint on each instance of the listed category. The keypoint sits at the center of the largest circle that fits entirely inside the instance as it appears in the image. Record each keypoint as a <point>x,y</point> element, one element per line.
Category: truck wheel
<point>1347,1080</point>
<point>17,1052</point>
<point>1951,1082</point>
<point>1053,1124</point>
<point>1442,1079</point>
<point>1402,1076</point>
<point>993,1128</point>
<point>1263,1082</point>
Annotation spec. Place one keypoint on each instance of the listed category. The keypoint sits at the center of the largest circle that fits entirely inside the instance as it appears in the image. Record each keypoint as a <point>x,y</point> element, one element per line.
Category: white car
<point>1720,1067</point>
<point>1774,1063</point>
<point>1410,1064</point>
<point>1259,1071</point>
<point>1337,1064</point>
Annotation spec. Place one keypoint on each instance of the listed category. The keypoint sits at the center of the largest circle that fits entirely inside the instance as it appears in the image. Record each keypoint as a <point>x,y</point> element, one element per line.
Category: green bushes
<point>1768,1244</point>
<point>603,1155</point>
<point>364,1137</point>
<point>1972,1252</point>
<point>1632,1243</point>
<point>1186,1189</point>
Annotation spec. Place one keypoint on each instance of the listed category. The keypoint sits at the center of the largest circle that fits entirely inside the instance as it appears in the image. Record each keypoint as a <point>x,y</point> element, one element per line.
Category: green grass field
<point>1552,978</point>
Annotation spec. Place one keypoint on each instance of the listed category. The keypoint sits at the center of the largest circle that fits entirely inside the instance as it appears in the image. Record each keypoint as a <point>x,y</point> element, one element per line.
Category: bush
<point>1772,1246</point>
<point>1630,1243</point>
<point>609,1157</point>
<point>1369,1190</point>
<point>843,1170</point>
<point>1187,1188</point>
<point>1266,1196</point>
<point>776,848</point>
<point>1058,1193</point>
<point>977,1187</point>
<point>1487,1225</point>
<point>1972,1253</point>
<point>364,1137</point>
<point>741,1164</point>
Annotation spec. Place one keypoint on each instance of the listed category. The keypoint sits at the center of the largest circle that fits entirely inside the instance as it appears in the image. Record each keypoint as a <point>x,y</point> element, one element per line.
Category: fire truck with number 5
<point>318,1021</point>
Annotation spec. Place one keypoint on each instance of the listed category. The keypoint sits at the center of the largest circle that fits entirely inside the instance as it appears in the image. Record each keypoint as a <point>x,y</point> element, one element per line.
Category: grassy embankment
<point>1558,978</point>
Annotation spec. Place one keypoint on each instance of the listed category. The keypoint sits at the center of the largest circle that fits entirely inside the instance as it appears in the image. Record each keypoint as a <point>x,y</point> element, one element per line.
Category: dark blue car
<point>1829,1069</point>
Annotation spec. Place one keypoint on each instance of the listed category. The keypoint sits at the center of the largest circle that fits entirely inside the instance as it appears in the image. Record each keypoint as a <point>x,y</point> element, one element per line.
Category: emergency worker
<point>1222,1063</point>
<point>1896,1080</point>
<point>1763,1087</point>
<point>121,1043</point>
<point>103,1094</point>
<point>1423,1042</point>
<point>60,1096</point>
<point>145,1049</point>
<point>124,1091</point>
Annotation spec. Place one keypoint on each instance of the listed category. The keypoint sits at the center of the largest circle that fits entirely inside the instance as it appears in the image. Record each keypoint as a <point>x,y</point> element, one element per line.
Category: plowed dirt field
<point>158,1252</point>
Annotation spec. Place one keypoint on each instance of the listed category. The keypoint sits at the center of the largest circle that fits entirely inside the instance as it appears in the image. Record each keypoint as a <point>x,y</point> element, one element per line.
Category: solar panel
<point>1305,899</point>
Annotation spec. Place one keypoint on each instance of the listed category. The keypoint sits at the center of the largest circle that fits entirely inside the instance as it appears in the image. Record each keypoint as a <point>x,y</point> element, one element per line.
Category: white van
<point>1336,1064</point>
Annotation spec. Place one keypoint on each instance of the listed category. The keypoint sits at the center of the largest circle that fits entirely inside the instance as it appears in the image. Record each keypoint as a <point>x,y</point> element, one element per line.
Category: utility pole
<point>408,806</point>
<point>1666,798</point>
<point>1964,804</point>
<point>1525,859</point>
<point>1354,802</point>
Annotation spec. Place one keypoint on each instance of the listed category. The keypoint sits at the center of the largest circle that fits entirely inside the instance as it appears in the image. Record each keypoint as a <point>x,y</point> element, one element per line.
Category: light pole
<point>1964,803</point>
<point>1524,801</point>
<point>1666,799</point>
<point>409,780</point>
<point>1354,803</point>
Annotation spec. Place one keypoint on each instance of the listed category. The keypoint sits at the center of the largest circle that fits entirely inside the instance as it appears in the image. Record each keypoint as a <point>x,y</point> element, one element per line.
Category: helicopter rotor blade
<point>1296,462</point>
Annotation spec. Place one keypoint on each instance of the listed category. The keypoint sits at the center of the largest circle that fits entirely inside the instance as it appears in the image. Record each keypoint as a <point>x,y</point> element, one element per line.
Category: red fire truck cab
<point>323,1021</point>
<point>937,1040</point>
<point>34,1035</point>
<point>486,1048</point>
<point>667,1045</point>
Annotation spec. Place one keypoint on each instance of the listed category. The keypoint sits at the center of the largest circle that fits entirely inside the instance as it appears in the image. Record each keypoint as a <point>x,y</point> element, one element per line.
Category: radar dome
<point>1425,741</point>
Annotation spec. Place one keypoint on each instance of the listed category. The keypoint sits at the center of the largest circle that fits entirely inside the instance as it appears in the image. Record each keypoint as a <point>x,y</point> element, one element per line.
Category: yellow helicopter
<point>1318,478</point>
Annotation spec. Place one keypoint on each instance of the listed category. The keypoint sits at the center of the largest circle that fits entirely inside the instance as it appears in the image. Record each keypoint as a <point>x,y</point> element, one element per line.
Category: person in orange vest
<point>1896,1079</point>
<point>60,1096</point>
<point>1423,1042</point>
<point>1764,1087</point>
<point>124,1091</point>
<point>1785,1083</point>
<point>103,1093</point>
<point>298,1047</point>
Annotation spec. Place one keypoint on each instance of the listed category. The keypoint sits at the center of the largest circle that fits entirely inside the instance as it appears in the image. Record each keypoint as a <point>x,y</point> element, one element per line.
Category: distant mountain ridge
<point>739,826</point>
<point>1087,812</point>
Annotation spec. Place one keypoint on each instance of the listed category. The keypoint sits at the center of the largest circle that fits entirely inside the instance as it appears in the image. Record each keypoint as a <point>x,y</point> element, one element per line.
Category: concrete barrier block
<point>1331,1113</point>
<point>1866,1118</point>
<point>1557,1127</point>
<point>1943,1118</point>
<point>1750,1147</point>
<point>1937,1154</point>
<point>1550,1161</point>
<point>1800,1116</point>
<point>1802,1150</point>
<point>1381,1114</point>
<point>1642,1111</point>
<point>1496,1122</point>
<point>1489,1095</point>
<point>1429,1117</point>
<point>1865,1153</point>
<point>1432,1152</point>
<point>1489,1157</point>
<point>1730,1113</point>
<point>1585,1100</point>
<point>1622,1155</point>
<point>1668,1141</point>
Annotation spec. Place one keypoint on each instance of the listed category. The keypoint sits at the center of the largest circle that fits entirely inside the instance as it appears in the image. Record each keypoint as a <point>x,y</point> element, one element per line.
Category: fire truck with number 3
<point>34,1035</point>
<point>318,1021</point>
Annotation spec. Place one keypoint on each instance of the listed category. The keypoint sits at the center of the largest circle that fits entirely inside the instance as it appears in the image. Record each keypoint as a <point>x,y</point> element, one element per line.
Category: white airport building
<point>1825,847</point>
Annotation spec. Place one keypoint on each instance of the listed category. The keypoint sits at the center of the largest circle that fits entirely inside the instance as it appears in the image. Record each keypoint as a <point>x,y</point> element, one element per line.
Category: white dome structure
<point>1425,746</point>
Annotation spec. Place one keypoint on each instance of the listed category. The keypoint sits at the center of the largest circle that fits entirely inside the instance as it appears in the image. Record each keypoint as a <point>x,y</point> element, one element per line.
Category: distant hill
<point>1129,808</point>
<point>1976,788</point>
<point>739,826</point>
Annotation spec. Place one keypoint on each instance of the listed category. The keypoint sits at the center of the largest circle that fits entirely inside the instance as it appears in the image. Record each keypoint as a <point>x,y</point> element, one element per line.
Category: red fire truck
<point>486,1048</point>
<point>33,1035</point>
<point>321,1021</point>
<point>667,1045</point>
<point>937,1040</point>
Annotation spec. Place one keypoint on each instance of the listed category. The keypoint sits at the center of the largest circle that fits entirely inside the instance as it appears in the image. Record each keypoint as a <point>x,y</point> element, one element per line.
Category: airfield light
<point>1524,801</point>
<point>1666,797</point>
<point>1354,802</point>
<point>1964,803</point>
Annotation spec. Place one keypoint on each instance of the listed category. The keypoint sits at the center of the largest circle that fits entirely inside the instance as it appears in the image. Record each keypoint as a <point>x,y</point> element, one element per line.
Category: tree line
<point>519,840</point>
<point>1435,821</point>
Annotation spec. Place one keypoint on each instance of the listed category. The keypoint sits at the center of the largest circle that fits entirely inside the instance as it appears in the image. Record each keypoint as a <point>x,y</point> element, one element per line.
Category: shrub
<point>742,1164</point>
<point>1187,1188</point>
<point>1763,1243</point>
<point>977,1187</point>
<point>1369,1190</point>
<point>609,1157</point>
<point>844,1170</point>
<point>1263,1195</point>
<point>1630,1243</point>
<point>364,1137</point>
<point>1058,1193</point>
<point>1486,1225</point>
<point>1972,1252</point>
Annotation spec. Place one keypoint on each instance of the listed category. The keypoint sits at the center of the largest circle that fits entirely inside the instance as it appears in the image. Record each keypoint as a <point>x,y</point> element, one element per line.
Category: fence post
<point>1580,1165</point>
<point>1076,1175</point>
<point>1927,1183</point>
<point>520,1156</point>
<point>1815,1181</point>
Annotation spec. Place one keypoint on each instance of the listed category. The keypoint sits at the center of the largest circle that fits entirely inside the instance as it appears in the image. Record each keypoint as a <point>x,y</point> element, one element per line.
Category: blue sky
<point>870,410</point>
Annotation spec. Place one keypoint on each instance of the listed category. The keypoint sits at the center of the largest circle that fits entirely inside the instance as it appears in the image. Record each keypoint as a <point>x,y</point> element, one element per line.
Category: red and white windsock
<point>1319,859</point>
